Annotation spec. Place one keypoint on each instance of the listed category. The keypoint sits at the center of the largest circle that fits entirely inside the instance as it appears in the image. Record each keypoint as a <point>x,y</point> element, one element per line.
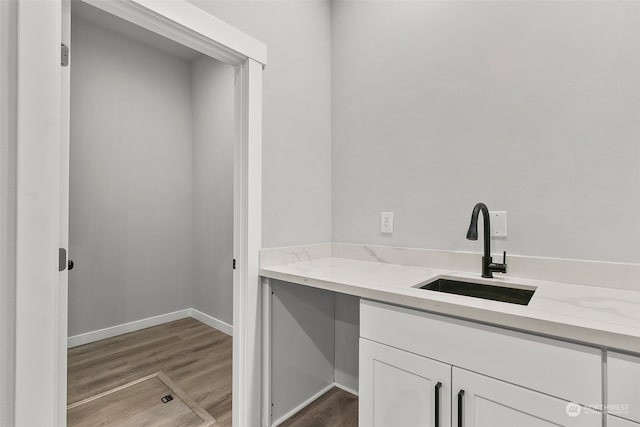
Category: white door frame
<point>42,186</point>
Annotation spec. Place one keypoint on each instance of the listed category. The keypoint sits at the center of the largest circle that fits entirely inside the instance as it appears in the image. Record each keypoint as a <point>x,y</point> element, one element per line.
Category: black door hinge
<point>234,264</point>
<point>62,259</point>
<point>64,55</point>
<point>63,263</point>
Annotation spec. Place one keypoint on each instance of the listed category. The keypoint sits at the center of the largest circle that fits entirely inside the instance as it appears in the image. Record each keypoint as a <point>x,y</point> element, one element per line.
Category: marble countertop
<point>587,314</point>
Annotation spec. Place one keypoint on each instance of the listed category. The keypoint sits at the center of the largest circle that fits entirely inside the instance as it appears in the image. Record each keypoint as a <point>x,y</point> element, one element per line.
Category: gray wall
<point>8,39</point>
<point>213,143</point>
<point>297,114</point>
<point>302,344</point>
<point>314,342</point>
<point>131,181</point>
<point>296,178</point>
<point>347,334</point>
<point>532,107</point>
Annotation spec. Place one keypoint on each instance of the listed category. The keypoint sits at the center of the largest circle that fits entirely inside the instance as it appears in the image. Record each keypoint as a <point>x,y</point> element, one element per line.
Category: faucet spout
<point>488,267</point>
<point>472,233</point>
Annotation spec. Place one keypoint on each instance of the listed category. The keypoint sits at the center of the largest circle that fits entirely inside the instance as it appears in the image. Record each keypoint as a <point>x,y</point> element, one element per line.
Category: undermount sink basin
<point>511,295</point>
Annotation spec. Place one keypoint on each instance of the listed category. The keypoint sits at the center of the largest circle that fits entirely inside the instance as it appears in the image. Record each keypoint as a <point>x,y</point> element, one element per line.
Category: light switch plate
<point>386,222</point>
<point>498,223</point>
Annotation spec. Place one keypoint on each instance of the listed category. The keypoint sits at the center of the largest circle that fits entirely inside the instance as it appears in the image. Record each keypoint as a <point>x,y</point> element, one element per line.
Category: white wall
<point>8,19</point>
<point>297,114</point>
<point>131,181</point>
<point>532,107</point>
<point>212,86</point>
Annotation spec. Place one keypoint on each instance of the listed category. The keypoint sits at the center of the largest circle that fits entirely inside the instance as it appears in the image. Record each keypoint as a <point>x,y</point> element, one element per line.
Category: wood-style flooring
<point>198,359</point>
<point>143,402</point>
<point>335,408</point>
<point>195,356</point>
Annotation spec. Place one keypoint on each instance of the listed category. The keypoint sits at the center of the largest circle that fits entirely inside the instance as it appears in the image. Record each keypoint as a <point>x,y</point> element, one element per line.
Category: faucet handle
<point>496,267</point>
<point>504,263</point>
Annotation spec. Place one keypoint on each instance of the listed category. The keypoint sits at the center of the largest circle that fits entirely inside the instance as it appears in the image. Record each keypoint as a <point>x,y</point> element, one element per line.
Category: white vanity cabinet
<point>507,378</point>
<point>402,389</point>
<point>623,385</point>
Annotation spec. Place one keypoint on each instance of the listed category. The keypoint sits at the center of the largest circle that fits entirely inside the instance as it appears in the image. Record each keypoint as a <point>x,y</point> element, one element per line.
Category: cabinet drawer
<point>566,370</point>
<point>623,388</point>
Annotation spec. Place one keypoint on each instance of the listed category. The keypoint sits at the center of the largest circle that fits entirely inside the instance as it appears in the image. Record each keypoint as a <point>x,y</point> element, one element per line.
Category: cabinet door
<point>480,401</point>
<point>619,422</point>
<point>623,376</point>
<point>401,389</point>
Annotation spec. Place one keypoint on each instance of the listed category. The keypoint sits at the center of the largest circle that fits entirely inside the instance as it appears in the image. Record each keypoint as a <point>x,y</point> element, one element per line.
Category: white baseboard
<point>347,389</point>
<point>301,406</point>
<point>212,321</point>
<point>136,325</point>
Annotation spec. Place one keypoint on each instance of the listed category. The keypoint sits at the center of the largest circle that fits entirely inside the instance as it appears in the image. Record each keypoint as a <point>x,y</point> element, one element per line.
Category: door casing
<point>42,192</point>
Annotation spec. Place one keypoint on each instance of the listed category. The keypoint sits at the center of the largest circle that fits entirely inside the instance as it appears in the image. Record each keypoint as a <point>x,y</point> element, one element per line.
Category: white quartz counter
<point>588,314</point>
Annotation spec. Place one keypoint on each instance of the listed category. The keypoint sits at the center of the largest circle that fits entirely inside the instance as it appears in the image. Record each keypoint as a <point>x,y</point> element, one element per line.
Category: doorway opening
<point>151,216</point>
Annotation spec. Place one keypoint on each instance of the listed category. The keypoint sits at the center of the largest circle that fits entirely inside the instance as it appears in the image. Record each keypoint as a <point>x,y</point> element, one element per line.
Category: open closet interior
<point>151,180</point>
<point>151,209</point>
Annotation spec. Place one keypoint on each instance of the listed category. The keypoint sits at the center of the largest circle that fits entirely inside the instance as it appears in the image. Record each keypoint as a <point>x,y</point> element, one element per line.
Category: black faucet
<point>488,267</point>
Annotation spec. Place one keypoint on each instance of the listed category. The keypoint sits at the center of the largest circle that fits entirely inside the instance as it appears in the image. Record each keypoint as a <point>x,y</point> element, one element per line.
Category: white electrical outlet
<point>386,222</point>
<point>498,223</point>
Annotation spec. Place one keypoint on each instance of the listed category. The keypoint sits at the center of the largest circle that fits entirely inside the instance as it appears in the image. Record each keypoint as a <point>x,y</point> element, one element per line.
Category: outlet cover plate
<point>386,222</point>
<point>498,223</point>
